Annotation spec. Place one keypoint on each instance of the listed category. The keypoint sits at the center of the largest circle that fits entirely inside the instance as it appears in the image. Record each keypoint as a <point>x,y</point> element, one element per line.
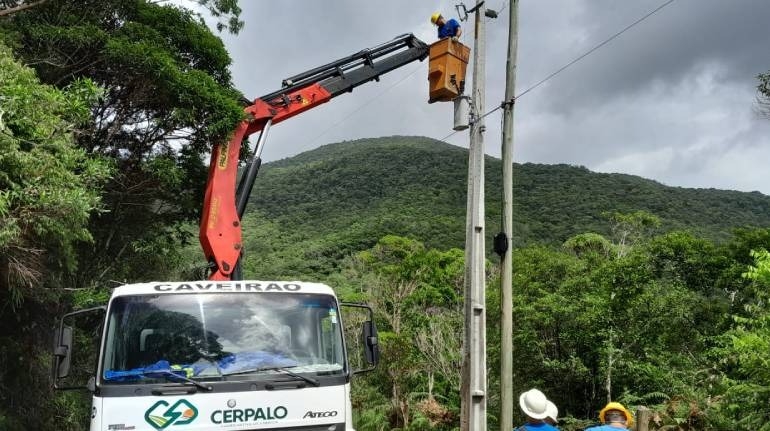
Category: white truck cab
<point>216,355</point>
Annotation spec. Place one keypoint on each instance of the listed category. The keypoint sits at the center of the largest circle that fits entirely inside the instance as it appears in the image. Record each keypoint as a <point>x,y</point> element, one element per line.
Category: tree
<point>227,12</point>
<point>589,244</point>
<point>48,186</point>
<point>9,7</point>
<point>48,189</point>
<point>760,271</point>
<point>627,229</point>
<point>415,292</point>
<point>167,98</point>
<point>745,352</point>
<point>440,347</point>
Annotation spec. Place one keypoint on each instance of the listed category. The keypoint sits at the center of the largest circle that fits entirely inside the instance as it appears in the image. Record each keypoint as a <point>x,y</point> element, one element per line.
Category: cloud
<point>671,99</point>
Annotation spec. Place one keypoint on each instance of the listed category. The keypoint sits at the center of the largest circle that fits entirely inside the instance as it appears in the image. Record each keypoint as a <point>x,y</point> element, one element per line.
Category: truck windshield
<point>213,335</point>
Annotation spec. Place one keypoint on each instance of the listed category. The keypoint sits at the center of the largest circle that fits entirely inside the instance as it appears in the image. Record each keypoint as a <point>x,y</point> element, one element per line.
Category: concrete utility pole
<point>474,372</point>
<point>506,271</point>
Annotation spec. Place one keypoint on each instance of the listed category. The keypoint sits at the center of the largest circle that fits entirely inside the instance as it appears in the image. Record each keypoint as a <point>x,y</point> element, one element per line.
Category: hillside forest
<point>624,288</point>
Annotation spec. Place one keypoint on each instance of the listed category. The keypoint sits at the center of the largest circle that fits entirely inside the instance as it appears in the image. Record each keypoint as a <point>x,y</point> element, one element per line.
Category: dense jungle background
<point>624,288</point>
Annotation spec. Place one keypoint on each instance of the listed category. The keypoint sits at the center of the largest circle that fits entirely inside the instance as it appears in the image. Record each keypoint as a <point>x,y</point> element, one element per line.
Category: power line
<point>589,52</point>
<point>498,10</point>
<point>475,120</point>
<point>582,56</point>
<point>502,8</point>
<point>369,102</point>
<point>539,83</point>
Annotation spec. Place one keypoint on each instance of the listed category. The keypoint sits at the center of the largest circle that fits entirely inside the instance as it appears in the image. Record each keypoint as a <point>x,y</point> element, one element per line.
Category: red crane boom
<point>223,207</point>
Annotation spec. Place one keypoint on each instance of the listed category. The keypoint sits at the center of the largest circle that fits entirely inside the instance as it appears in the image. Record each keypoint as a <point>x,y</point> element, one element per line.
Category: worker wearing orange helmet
<point>446,28</point>
<point>615,417</point>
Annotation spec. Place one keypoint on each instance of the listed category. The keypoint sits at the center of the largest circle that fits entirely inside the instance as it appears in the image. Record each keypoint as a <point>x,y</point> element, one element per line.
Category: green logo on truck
<point>161,416</point>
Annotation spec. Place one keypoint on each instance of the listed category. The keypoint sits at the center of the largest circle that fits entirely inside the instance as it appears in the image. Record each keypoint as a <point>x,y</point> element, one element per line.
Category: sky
<point>672,99</point>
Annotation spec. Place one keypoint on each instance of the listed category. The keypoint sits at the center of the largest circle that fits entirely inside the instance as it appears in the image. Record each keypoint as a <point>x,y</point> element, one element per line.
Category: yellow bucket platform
<point>446,69</point>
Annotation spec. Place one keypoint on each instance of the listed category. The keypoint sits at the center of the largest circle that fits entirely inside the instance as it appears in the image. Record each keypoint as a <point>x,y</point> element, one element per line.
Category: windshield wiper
<point>168,374</point>
<point>284,370</point>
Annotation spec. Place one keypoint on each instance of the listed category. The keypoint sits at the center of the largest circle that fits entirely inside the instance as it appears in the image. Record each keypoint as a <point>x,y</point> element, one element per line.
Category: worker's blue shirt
<point>606,428</point>
<point>537,427</point>
<point>449,29</point>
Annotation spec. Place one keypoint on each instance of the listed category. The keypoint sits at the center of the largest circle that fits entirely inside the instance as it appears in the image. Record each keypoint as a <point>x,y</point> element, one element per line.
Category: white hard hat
<point>534,404</point>
<point>552,411</point>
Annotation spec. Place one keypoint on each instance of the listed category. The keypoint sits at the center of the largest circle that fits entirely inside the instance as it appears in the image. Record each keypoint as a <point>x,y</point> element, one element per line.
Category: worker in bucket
<point>615,417</point>
<point>534,405</point>
<point>446,28</point>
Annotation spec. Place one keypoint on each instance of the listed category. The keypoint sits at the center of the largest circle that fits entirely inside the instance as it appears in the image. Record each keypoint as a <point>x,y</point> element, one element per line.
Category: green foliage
<point>589,244</point>
<point>227,10</point>
<point>167,97</point>
<point>590,322</point>
<point>151,117</point>
<point>415,292</point>
<point>48,187</point>
<point>637,327</point>
<point>315,208</point>
<point>628,229</point>
<point>640,328</point>
<point>744,353</point>
<point>760,271</point>
<point>649,308</point>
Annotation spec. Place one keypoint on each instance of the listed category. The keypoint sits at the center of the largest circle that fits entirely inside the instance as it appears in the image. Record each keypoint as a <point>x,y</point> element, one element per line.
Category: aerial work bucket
<point>446,70</point>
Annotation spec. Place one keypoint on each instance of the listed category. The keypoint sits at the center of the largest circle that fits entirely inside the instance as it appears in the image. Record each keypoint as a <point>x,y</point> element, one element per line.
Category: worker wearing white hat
<point>534,405</point>
<point>553,414</point>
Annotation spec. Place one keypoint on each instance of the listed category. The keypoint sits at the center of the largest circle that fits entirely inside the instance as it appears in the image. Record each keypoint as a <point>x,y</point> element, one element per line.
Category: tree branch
<point>16,9</point>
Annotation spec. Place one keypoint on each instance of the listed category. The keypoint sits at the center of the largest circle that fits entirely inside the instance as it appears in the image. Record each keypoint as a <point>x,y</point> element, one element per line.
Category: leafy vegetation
<point>667,325</point>
<point>102,165</point>
<point>624,288</point>
<point>166,97</point>
<point>341,198</point>
<point>48,190</point>
<point>633,306</point>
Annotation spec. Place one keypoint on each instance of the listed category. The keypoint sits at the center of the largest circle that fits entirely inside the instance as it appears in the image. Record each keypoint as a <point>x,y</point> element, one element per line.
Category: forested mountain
<point>343,197</point>
<point>625,289</point>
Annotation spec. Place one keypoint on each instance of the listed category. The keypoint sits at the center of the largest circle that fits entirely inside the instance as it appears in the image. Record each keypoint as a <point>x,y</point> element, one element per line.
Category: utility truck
<point>226,353</point>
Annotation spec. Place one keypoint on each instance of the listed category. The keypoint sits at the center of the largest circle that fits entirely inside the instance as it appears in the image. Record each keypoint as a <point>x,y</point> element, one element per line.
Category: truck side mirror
<point>371,342</point>
<point>62,353</point>
<point>369,339</point>
<point>63,347</point>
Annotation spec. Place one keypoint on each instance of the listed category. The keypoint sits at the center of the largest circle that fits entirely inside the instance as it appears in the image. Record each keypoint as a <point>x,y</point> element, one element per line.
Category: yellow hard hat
<point>619,407</point>
<point>434,18</point>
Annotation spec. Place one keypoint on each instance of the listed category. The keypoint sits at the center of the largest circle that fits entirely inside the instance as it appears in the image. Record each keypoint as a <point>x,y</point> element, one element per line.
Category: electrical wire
<point>580,57</point>
<point>369,102</point>
<point>502,7</point>
<point>463,38</point>
<point>539,83</point>
<point>498,10</point>
<point>590,51</point>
